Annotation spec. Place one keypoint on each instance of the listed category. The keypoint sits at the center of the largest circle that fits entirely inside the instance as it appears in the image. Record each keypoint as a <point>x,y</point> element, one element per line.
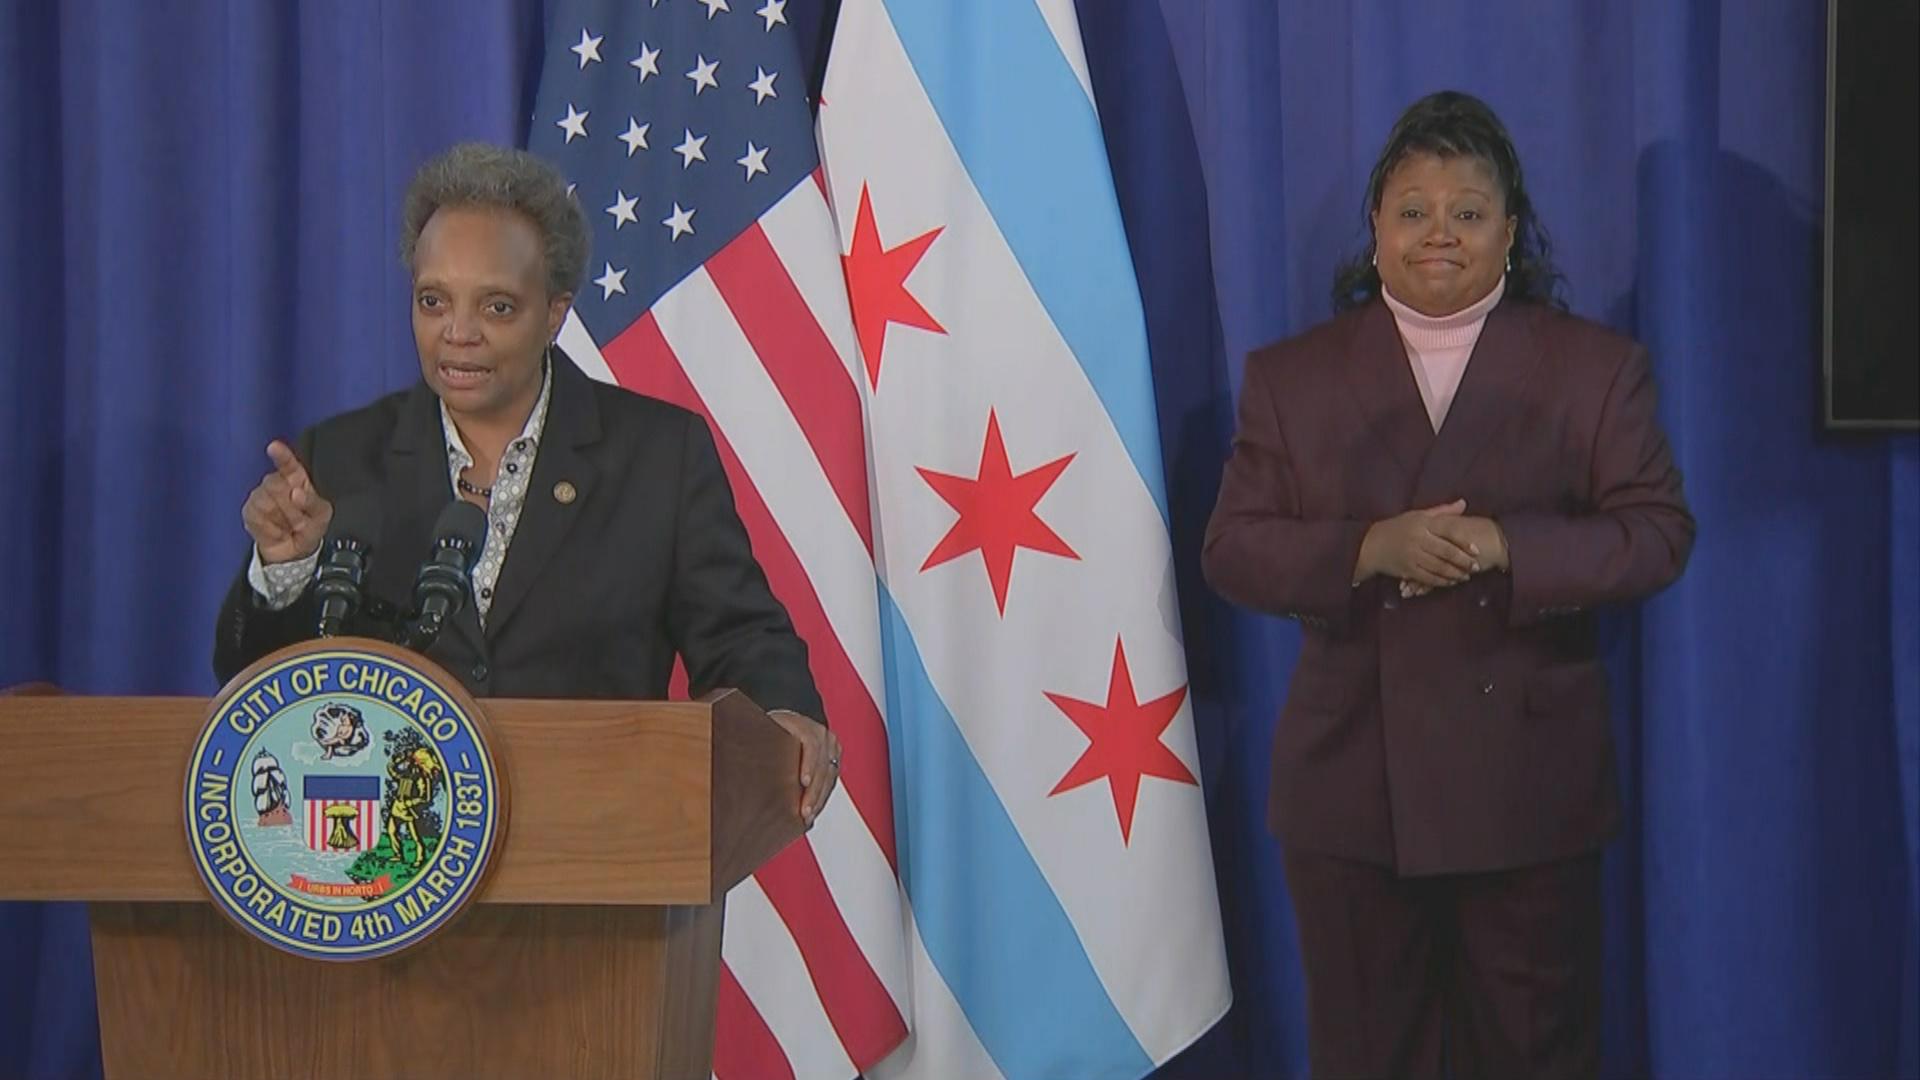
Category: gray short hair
<point>476,174</point>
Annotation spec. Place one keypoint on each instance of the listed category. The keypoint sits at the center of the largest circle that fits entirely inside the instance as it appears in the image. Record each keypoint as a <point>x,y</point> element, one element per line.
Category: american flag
<point>716,284</point>
<point>362,793</point>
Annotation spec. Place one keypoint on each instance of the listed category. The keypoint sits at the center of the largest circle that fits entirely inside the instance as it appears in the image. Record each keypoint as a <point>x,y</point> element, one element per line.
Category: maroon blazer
<point>1465,730</point>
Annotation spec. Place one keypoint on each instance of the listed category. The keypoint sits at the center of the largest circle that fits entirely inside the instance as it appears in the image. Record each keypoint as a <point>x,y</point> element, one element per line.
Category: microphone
<point>343,561</point>
<point>442,586</point>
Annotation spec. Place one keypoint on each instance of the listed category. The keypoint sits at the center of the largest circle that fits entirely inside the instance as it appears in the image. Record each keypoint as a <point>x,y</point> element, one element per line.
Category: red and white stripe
<point>759,341</point>
<point>366,826</point>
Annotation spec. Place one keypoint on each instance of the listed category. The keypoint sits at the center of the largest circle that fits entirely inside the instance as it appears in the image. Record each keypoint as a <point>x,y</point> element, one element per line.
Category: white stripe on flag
<point>721,364</point>
<point>802,235</point>
<point>579,346</point>
<point>865,891</point>
<point>940,1044</point>
<point>759,949</point>
<point>1065,24</point>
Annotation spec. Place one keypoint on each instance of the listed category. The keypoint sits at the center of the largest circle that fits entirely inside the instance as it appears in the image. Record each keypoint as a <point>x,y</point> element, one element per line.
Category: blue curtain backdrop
<point>198,208</point>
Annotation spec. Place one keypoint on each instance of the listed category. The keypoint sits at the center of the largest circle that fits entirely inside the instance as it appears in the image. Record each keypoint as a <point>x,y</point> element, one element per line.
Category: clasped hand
<point>1432,548</point>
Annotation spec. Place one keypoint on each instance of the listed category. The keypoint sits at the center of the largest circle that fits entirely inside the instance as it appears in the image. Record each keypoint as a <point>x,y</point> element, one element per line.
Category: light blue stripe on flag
<point>1030,140</point>
<point>990,923</point>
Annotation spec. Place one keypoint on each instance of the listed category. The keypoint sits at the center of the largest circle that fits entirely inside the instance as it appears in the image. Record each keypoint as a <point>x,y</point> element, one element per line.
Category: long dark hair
<point>1451,124</point>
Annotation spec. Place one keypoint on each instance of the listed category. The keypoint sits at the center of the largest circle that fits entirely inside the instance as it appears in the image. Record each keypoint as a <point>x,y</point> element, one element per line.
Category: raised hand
<point>285,516</point>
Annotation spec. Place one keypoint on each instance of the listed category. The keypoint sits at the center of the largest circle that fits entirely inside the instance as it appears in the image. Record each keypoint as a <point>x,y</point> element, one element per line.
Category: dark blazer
<point>1464,730</point>
<point>597,594</point>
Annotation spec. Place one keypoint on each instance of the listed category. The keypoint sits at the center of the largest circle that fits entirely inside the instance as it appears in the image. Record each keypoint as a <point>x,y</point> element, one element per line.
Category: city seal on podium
<point>342,802</point>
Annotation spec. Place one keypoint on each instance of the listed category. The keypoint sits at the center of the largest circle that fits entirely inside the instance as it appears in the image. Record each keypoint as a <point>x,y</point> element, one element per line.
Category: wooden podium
<point>592,951</point>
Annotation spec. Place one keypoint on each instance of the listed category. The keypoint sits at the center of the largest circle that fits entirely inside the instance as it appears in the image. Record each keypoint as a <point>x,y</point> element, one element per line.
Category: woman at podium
<point>611,540</point>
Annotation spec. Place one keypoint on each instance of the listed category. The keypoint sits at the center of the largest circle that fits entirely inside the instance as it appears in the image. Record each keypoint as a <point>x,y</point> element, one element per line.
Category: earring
<point>1509,264</point>
<point>1374,259</point>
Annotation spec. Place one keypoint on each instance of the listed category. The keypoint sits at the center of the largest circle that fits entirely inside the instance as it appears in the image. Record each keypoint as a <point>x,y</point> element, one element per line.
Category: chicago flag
<point>1050,828</point>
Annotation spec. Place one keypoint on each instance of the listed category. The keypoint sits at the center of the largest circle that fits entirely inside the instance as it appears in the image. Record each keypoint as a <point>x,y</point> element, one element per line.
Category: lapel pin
<point>564,493</point>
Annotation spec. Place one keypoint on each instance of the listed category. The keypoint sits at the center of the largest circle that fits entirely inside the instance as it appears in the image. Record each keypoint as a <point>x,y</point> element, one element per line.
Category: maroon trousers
<point>1473,976</point>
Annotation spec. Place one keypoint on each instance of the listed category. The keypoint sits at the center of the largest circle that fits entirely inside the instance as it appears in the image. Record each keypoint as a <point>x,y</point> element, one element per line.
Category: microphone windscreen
<point>357,517</point>
<point>461,521</point>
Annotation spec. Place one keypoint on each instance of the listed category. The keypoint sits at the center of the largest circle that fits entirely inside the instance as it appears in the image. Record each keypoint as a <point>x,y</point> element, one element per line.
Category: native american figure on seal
<point>414,776</point>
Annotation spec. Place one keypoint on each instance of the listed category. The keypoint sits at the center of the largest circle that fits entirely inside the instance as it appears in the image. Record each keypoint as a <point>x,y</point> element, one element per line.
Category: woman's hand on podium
<point>819,761</point>
<point>285,516</point>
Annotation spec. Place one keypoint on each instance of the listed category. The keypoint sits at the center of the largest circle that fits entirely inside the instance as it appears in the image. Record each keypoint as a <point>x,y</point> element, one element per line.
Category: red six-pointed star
<point>877,285</point>
<point>1123,741</point>
<point>997,515</point>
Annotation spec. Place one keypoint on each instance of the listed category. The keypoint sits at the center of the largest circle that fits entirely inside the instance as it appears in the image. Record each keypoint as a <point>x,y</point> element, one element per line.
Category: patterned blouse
<point>281,584</point>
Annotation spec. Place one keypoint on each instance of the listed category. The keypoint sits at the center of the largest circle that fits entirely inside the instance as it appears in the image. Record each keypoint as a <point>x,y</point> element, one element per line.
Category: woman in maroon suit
<point>1441,483</point>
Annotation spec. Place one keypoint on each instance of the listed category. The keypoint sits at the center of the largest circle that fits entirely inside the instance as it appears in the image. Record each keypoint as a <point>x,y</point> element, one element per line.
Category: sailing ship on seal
<point>270,791</point>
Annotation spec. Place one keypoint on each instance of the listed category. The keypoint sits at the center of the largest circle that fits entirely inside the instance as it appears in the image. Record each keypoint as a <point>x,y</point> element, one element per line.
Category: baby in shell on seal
<point>339,730</point>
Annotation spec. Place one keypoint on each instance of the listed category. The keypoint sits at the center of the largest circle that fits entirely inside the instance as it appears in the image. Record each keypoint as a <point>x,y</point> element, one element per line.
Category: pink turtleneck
<point>1438,348</point>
